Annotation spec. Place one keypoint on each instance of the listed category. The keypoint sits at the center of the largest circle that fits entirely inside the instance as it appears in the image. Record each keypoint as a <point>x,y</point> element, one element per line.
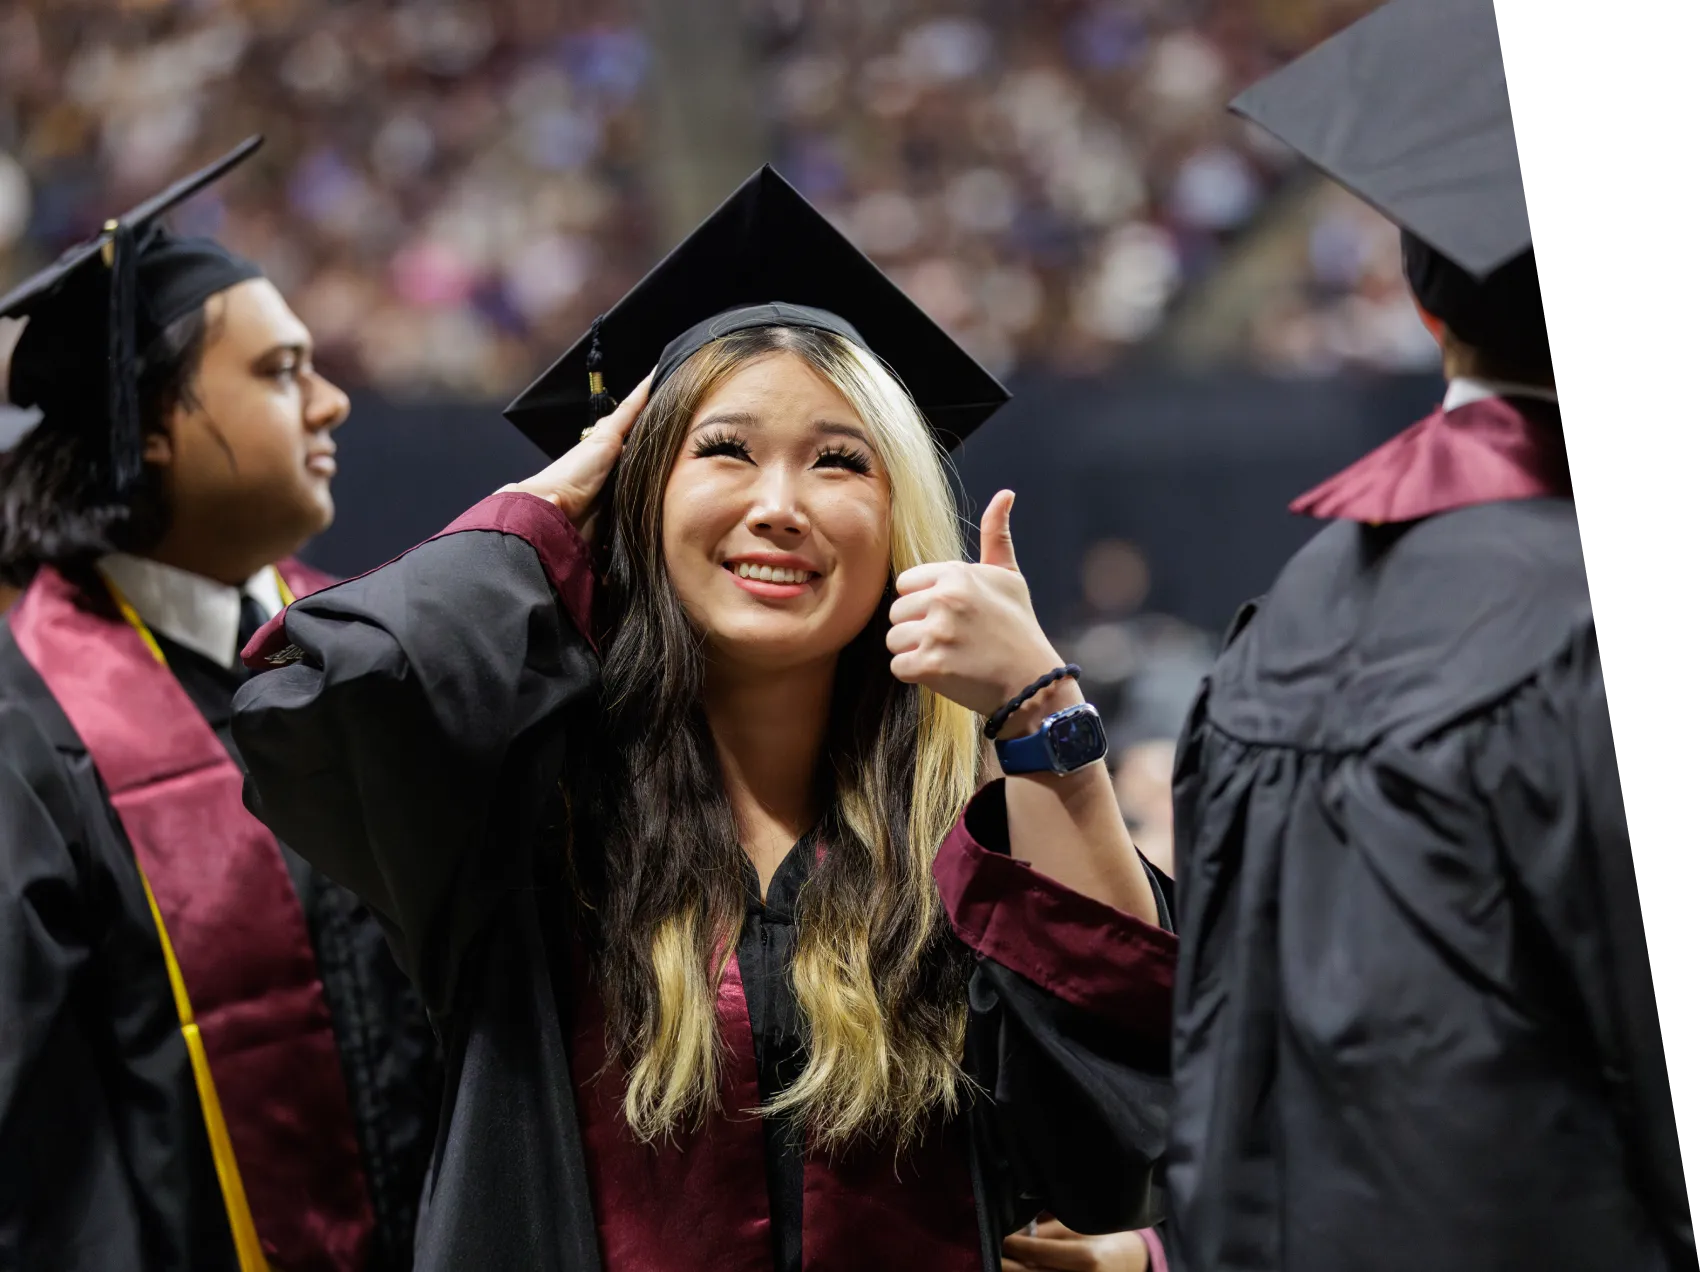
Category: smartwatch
<point>1069,740</point>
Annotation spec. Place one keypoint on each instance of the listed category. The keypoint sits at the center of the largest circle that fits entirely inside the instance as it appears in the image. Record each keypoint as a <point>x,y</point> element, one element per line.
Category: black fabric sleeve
<point>1068,1038</point>
<point>1545,763</point>
<point>1073,1113</point>
<point>413,746</point>
<point>43,937</point>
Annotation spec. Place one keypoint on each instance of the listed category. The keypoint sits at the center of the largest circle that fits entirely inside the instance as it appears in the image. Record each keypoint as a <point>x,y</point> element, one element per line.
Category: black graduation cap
<point>1408,109</point>
<point>766,257</point>
<point>102,303</point>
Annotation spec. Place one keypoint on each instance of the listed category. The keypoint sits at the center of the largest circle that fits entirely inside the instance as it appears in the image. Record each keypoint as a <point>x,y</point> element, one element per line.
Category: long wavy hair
<point>881,984</point>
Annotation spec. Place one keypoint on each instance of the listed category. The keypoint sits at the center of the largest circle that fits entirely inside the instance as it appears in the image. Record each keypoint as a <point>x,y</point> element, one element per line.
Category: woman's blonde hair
<point>880,982</point>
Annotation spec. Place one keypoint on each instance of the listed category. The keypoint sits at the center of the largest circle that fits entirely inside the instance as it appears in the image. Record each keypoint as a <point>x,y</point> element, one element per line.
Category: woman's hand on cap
<point>574,481</point>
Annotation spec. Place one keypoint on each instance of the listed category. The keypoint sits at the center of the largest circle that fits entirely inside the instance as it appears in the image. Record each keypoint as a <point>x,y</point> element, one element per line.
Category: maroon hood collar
<point>1488,451</point>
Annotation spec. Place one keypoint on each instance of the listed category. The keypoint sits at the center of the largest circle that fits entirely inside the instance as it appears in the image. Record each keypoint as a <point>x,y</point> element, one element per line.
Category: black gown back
<point>1415,1024</point>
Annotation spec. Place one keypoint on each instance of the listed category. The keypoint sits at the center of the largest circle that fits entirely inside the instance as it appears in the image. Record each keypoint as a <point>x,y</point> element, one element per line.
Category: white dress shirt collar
<point>196,612</point>
<point>1465,391</point>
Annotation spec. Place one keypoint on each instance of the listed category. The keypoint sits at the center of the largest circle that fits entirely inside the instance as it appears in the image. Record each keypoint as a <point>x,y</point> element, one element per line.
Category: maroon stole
<point>698,1203</point>
<point>1485,452</point>
<point>233,918</point>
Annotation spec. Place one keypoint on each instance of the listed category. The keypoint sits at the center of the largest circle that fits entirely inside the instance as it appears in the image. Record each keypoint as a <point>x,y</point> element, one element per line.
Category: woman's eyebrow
<point>833,428</point>
<point>739,419</point>
<point>745,419</point>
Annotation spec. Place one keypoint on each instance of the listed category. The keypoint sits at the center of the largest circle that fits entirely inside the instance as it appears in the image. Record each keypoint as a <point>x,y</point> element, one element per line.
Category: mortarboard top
<point>1408,109</point>
<point>102,302</point>
<point>766,257</point>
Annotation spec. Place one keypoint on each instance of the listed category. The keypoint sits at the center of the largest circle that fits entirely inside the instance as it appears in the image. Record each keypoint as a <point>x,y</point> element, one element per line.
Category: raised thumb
<point>996,545</point>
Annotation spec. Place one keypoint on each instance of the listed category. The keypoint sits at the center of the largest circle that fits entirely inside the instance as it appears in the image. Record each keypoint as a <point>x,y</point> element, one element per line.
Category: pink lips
<point>769,590</point>
<point>776,591</point>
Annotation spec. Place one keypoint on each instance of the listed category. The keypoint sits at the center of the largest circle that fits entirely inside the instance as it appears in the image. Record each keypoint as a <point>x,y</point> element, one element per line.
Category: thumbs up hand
<point>968,631</point>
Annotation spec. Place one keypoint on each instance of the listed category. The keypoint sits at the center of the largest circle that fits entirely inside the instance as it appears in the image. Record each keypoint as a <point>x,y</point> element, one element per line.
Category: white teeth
<point>770,573</point>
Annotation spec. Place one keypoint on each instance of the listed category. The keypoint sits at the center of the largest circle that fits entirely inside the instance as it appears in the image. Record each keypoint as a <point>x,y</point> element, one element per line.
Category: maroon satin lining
<point>1088,954</point>
<point>235,923</point>
<point>699,1203</point>
<point>867,1209</point>
<point>1485,452</point>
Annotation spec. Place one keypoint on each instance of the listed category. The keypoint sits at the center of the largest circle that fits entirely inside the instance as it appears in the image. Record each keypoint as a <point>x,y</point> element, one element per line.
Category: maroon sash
<point>699,1202</point>
<point>233,917</point>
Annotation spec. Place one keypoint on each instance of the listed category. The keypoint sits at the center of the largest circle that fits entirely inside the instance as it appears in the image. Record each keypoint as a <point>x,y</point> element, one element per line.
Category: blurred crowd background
<point>452,189</point>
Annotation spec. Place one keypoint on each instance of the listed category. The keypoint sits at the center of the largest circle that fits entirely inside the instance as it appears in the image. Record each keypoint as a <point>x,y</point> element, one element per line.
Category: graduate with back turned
<point>1415,1022</point>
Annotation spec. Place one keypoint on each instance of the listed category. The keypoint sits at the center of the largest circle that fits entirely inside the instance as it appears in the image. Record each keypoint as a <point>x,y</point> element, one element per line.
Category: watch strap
<point>1031,754</point>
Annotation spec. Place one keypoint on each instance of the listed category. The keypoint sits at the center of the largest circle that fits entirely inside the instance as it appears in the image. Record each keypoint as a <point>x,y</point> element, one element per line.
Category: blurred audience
<point>1349,308</point>
<point>1143,670</point>
<point>449,192</point>
<point>1142,776</point>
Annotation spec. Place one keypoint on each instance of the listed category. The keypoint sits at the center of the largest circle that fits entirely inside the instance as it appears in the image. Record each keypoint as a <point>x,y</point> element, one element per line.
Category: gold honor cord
<point>250,1258</point>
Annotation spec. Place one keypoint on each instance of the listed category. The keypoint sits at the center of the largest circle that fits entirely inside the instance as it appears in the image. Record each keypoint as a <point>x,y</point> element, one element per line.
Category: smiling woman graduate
<point>667,787</point>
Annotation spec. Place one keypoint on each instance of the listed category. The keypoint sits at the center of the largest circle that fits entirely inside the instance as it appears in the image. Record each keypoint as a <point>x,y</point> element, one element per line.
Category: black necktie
<point>253,618</point>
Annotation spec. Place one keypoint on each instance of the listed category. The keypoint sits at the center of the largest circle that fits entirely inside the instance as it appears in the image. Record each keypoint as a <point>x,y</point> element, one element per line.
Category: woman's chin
<point>771,645</point>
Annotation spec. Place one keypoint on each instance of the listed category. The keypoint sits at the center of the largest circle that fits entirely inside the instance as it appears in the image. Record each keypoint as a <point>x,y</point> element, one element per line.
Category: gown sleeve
<point>1068,1035</point>
<point>410,732</point>
<point>1545,764</point>
<point>43,948</point>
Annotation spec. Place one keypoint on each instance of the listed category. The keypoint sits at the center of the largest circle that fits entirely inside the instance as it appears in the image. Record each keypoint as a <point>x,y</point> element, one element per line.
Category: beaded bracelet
<point>1000,717</point>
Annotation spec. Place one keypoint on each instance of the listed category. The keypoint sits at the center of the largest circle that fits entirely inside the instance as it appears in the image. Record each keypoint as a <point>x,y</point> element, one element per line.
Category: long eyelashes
<point>835,456</point>
<point>842,456</point>
<point>720,444</point>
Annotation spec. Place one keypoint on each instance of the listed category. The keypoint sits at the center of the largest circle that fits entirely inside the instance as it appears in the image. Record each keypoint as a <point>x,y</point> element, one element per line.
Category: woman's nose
<point>776,510</point>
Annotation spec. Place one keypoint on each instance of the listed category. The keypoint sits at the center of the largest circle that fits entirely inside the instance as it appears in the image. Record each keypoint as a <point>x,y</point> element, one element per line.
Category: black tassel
<point>601,401</point>
<point>123,419</point>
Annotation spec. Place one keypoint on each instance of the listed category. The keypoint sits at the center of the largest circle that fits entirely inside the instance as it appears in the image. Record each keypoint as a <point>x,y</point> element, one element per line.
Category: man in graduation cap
<point>1415,1023</point>
<point>211,1060</point>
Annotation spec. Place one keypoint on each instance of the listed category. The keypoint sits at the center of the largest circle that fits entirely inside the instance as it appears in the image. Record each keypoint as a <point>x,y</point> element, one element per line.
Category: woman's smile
<point>772,576</point>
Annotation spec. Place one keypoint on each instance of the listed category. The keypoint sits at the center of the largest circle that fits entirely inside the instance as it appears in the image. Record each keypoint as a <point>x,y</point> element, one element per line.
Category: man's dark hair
<point>56,502</point>
<point>1501,318</point>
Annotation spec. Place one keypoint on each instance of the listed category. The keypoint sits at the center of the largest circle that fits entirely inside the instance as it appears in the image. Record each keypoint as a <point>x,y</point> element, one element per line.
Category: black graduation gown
<point>1415,1024</point>
<point>411,743</point>
<point>105,1164</point>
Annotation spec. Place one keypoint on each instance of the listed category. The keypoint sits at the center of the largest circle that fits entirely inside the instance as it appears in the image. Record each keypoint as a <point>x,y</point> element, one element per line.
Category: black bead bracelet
<point>1000,717</point>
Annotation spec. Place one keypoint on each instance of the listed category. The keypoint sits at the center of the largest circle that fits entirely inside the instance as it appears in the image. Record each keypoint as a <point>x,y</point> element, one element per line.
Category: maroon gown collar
<point>1487,451</point>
